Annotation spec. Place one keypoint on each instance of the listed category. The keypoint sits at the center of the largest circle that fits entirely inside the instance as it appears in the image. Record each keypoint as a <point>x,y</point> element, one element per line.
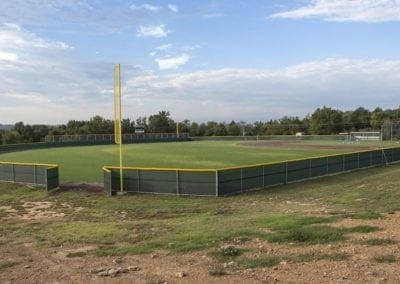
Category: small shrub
<point>226,253</point>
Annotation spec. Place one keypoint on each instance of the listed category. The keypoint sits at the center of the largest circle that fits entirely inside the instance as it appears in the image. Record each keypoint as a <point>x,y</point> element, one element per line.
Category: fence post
<point>34,175</point>
<point>13,173</point>
<point>370,159</point>
<point>45,179</point>
<point>138,179</point>
<point>309,168</point>
<point>263,167</point>
<point>286,172</point>
<point>216,183</point>
<point>241,179</point>
<point>177,182</point>
<point>327,165</point>
<point>343,163</point>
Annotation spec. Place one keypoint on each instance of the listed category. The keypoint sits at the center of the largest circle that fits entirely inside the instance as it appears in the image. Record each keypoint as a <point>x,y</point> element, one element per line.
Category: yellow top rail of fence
<point>50,166</point>
<point>107,168</point>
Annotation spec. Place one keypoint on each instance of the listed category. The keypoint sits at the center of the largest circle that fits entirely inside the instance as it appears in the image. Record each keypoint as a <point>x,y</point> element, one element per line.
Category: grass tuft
<point>217,271</point>
<point>361,229</point>
<point>7,264</point>
<point>226,253</point>
<point>367,215</point>
<point>385,258</point>
<point>378,242</point>
<point>314,256</point>
<point>77,254</point>
<point>308,234</point>
<point>267,261</point>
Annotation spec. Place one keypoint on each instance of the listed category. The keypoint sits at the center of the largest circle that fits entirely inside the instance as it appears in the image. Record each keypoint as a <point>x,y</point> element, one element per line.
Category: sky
<point>201,60</point>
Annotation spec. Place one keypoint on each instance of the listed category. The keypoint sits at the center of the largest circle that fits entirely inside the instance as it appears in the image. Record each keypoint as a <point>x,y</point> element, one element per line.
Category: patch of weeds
<point>385,258</point>
<point>86,232</point>
<point>367,215</point>
<point>314,256</point>
<point>124,250</point>
<point>378,242</point>
<point>226,253</point>
<point>288,222</point>
<point>7,264</point>
<point>361,229</point>
<point>308,234</point>
<point>3,213</point>
<point>217,270</point>
<point>267,261</point>
<point>77,254</point>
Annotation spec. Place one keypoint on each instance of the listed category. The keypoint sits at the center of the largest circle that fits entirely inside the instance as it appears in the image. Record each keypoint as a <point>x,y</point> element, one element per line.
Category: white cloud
<point>173,8</point>
<point>164,47</point>
<point>40,82</point>
<point>172,62</point>
<point>44,83</point>
<point>7,56</point>
<point>346,11</point>
<point>252,94</point>
<point>13,33</point>
<point>152,31</point>
<point>147,7</point>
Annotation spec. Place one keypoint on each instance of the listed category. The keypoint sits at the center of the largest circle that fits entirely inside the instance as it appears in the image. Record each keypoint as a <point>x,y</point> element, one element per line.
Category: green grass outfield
<point>83,164</point>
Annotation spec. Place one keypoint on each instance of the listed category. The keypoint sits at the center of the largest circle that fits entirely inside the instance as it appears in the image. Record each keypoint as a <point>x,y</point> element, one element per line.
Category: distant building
<point>139,129</point>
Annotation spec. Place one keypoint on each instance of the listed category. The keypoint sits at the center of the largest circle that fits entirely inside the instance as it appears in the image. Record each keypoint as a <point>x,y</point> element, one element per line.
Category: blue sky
<point>201,60</point>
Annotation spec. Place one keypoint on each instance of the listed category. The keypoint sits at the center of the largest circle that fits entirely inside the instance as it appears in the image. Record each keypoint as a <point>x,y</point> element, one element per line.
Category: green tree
<point>161,123</point>
<point>12,137</point>
<point>378,117</point>
<point>234,129</point>
<point>325,121</point>
<point>100,125</point>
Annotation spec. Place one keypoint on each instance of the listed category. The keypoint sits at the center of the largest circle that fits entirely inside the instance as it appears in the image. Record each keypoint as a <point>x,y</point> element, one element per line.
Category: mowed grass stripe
<point>85,163</point>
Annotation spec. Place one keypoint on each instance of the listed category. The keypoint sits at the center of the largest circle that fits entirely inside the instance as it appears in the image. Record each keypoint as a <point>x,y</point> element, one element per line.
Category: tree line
<point>323,121</point>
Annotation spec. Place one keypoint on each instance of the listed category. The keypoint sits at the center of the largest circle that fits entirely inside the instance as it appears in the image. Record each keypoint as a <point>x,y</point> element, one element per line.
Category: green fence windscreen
<point>162,181</point>
<point>39,174</point>
<point>235,180</point>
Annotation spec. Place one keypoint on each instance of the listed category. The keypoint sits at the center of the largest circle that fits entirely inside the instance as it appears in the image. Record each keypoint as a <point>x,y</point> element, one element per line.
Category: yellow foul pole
<point>117,120</point>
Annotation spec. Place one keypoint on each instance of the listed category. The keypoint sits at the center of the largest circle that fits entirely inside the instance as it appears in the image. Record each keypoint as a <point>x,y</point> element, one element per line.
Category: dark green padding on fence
<point>40,174</point>
<point>240,179</point>
<point>161,181</point>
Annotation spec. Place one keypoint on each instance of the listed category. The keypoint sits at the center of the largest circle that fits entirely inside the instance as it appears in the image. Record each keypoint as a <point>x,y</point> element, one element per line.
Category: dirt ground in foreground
<point>302,145</point>
<point>33,264</point>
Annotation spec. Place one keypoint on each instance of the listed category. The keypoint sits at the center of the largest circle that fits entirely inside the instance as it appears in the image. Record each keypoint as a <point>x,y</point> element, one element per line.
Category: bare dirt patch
<point>32,211</point>
<point>71,263</point>
<point>301,145</point>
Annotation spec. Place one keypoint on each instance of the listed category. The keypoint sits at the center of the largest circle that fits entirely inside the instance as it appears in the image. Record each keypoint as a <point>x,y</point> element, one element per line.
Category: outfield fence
<point>109,138</point>
<point>226,181</point>
<point>338,138</point>
<point>30,173</point>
